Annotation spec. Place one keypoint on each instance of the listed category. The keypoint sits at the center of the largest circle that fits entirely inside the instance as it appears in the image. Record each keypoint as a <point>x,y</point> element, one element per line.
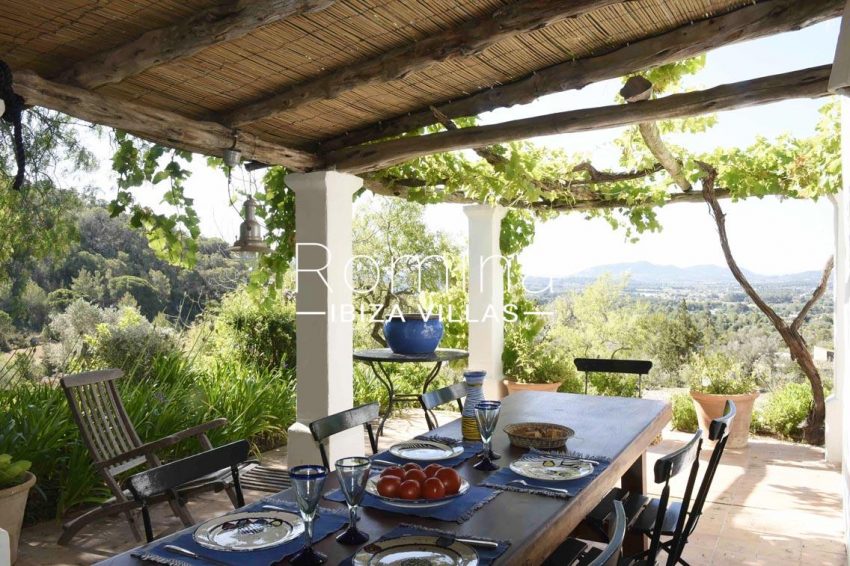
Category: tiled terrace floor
<point>774,503</point>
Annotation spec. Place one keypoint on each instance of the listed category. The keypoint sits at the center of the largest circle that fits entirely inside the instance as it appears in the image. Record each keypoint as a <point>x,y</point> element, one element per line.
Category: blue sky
<point>768,236</point>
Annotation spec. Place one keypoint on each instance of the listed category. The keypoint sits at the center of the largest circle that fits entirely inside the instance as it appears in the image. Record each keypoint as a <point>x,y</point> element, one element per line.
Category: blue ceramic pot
<point>413,334</point>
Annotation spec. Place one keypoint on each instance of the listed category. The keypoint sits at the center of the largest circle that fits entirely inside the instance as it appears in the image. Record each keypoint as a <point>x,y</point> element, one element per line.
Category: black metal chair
<point>433,399</point>
<point>344,420</point>
<point>578,552</point>
<point>599,365</point>
<point>719,432</point>
<point>168,477</point>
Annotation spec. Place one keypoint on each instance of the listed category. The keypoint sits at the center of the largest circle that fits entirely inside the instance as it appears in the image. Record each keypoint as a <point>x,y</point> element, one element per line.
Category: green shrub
<point>785,410</point>
<point>684,414</point>
<point>253,332</point>
<point>718,374</point>
<point>12,471</point>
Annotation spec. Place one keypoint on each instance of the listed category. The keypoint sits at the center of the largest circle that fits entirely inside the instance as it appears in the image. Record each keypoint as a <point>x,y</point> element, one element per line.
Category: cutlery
<point>477,542</point>
<point>555,489</point>
<point>275,508</point>
<point>384,462</point>
<point>189,554</point>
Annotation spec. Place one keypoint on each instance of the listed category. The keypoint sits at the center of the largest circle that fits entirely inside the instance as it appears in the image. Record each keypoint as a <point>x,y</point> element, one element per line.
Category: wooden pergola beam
<point>807,83</point>
<point>222,22</point>
<point>468,39</point>
<point>160,126</point>
<point>759,20</point>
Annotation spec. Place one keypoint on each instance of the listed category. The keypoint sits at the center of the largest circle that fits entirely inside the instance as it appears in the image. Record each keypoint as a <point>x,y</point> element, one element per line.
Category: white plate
<point>552,469</point>
<point>425,450</point>
<point>372,488</point>
<point>415,550</point>
<point>249,531</point>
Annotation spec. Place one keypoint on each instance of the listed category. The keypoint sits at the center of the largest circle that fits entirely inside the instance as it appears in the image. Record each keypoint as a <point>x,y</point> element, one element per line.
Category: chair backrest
<point>344,420</point>
<point>441,396</point>
<point>100,415</point>
<point>168,477</point>
<point>666,468</point>
<point>718,431</point>
<point>616,533</point>
<point>172,475</point>
<point>605,365</point>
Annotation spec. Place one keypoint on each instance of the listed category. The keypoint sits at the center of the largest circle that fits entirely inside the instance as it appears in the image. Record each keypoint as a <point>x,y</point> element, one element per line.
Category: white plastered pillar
<point>323,324</point>
<point>838,408</point>
<point>486,295</point>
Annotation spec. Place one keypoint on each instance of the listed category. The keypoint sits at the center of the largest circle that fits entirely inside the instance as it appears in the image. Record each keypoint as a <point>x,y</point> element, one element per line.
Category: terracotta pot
<point>13,501</point>
<point>709,407</point>
<point>513,386</point>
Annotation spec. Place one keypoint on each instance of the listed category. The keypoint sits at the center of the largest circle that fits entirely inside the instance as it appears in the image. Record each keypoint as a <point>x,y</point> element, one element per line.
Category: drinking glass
<point>308,482</point>
<point>487,415</point>
<point>353,473</point>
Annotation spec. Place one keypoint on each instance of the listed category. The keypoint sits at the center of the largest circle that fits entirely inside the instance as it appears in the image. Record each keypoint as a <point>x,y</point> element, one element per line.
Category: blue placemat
<point>486,556</point>
<point>459,509</point>
<point>327,522</point>
<point>470,449</point>
<point>501,478</point>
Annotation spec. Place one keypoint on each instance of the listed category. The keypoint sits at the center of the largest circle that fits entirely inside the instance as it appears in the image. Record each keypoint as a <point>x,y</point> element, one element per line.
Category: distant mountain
<point>644,272</point>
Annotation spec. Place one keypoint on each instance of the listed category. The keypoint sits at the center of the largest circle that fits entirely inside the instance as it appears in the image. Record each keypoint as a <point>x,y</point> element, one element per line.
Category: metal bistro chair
<point>599,365</point>
<point>718,431</point>
<point>433,399</point>
<point>168,477</point>
<point>666,468</point>
<point>116,448</point>
<point>344,420</point>
<point>576,552</point>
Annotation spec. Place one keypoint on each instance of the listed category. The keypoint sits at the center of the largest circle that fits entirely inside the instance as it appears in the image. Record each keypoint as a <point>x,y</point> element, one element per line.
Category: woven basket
<point>543,436</point>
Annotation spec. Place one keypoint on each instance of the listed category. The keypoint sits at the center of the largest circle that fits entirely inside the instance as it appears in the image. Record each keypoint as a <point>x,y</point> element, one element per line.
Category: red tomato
<point>415,475</point>
<point>409,489</point>
<point>393,471</point>
<point>432,470</point>
<point>433,488</point>
<point>388,486</point>
<point>450,479</point>
<point>412,466</point>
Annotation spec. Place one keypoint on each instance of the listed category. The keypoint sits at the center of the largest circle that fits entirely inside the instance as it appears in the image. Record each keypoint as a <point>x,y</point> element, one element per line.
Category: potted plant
<point>15,483</point>
<point>531,365</point>
<point>714,379</point>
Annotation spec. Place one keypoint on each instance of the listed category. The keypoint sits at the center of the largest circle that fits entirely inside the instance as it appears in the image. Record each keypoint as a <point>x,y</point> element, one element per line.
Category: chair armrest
<point>164,442</point>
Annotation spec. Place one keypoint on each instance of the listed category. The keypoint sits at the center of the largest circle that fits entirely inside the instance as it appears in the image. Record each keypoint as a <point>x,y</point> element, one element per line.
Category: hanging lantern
<point>250,242</point>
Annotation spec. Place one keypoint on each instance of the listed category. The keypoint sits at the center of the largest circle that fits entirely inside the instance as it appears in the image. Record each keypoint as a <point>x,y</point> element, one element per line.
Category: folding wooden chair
<point>433,399</point>
<point>344,420</point>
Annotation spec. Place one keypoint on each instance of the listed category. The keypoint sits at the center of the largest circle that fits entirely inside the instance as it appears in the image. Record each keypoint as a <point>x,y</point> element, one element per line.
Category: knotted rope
<point>14,110</point>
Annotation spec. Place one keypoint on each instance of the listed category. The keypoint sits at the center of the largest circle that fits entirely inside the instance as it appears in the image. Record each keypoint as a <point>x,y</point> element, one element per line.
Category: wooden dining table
<point>615,428</point>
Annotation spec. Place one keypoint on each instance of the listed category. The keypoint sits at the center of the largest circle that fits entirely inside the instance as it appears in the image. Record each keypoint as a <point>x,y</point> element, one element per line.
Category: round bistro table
<point>376,358</point>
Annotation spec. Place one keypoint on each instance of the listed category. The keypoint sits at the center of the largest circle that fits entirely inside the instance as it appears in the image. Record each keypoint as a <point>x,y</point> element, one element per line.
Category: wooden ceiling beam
<point>752,21</point>
<point>160,126</point>
<point>807,83</point>
<point>467,39</point>
<point>222,22</point>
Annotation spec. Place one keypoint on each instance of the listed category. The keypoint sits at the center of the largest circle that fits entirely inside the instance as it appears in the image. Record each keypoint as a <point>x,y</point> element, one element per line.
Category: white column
<point>323,213</point>
<point>839,82</point>
<point>841,340</point>
<point>486,295</point>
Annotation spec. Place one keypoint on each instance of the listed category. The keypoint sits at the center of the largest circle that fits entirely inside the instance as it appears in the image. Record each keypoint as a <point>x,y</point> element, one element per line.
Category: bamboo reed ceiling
<point>48,36</point>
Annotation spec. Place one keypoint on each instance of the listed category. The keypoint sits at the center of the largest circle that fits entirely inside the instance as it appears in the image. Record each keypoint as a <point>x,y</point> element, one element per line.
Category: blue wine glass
<point>308,482</point>
<point>487,415</point>
<point>353,473</point>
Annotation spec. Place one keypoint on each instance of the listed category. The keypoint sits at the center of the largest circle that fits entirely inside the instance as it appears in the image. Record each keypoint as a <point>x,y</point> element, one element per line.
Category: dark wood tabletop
<point>616,428</point>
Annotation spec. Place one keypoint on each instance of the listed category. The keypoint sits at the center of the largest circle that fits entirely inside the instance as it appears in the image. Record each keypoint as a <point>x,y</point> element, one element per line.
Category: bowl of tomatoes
<point>413,486</point>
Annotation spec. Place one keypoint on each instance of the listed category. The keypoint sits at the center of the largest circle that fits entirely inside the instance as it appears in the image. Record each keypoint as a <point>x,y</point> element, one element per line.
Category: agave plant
<point>11,472</point>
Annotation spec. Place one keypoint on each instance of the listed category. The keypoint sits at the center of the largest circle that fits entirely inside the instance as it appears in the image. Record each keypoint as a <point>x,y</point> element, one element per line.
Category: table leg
<point>385,380</point>
<point>634,482</point>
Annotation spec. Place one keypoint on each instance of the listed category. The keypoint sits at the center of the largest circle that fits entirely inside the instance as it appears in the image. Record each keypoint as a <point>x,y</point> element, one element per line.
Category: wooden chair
<point>433,399</point>
<point>719,432</point>
<point>344,420</point>
<point>578,552</point>
<point>597,365</point>
<point>167,478</point>
<point>116,448</point>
